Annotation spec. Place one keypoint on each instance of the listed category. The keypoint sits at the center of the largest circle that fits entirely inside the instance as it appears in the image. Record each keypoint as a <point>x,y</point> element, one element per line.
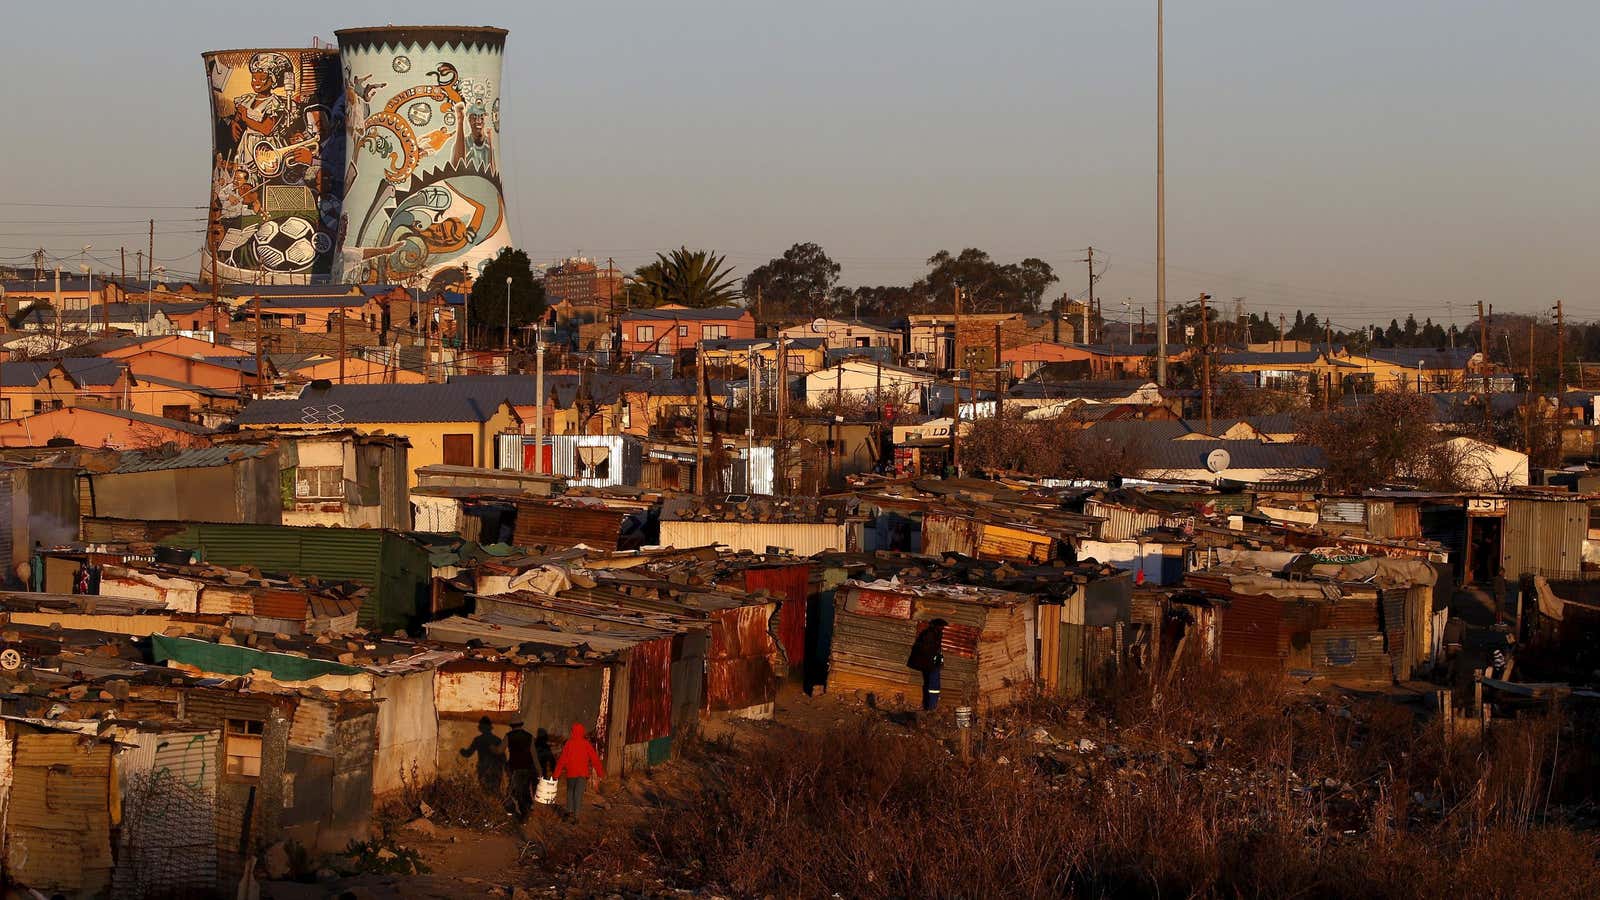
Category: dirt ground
<point>467,863</point>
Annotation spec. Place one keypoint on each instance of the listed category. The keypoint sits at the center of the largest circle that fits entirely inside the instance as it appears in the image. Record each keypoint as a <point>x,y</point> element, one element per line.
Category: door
<point>458,450</point>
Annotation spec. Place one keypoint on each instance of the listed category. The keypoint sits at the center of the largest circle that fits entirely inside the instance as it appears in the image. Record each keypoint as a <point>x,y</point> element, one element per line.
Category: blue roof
<point>356,403</point>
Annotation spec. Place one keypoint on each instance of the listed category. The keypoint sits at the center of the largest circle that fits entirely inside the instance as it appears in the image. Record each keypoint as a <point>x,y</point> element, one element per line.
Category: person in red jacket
<point>578,762</point>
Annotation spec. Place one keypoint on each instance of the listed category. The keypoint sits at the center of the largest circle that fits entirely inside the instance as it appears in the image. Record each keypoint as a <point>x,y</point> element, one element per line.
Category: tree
<point>987,286</point>
<point>1387,438</point>
<point>488,306</point>
<point>693,278</point>
<point>797,284</point>
<point>1063,446</point>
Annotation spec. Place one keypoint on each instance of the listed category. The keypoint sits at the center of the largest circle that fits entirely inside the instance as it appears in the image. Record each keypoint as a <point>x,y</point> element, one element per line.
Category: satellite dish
<point>1218,459</point>
<point>819,325</point>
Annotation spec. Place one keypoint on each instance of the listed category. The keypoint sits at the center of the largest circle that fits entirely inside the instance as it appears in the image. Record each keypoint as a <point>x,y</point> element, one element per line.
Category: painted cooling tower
<point>422,196</point>
<point>277,172</point>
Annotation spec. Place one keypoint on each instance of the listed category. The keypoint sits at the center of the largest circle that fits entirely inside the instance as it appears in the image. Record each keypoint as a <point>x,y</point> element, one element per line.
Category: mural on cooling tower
<point>277,171</point>
<point>422,193</point>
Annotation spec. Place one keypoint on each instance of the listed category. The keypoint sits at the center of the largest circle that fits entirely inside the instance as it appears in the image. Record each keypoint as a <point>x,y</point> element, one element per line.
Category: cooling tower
<point>422,196</point>
<point>277,174</point>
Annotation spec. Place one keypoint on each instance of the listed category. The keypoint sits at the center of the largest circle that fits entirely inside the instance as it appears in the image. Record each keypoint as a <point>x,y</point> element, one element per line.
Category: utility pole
<point>1281,321</point>
<point>124,267</point>
<point>339,311</point>
<point>1483,366</point>
<point>1205,363</point>
<point>999,369</point>
<point>1161,196</point>
<point>1561,351</point>
<point>261,377</point>
<point>779,406</point>
<point>216,299</point>
<point>1127,312</point>
<point>1527,398</point>
<point>955,343</point>
<point>700,420</point>
<point>539,398</point>
<point>1086,306</point>
<point>151,284</point>
<point>138,274</point>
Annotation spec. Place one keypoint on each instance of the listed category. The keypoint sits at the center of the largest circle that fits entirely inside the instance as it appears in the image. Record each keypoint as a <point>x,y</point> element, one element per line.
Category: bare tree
<point>1388,437</point>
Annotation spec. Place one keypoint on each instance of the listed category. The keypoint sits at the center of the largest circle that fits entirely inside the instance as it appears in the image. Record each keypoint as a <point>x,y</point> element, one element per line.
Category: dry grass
<point>1215,788</point>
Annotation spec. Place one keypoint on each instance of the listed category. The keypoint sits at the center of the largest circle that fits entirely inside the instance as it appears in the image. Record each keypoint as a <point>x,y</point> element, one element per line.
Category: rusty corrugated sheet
<point>1395,639</point>
<point>789,584</point>
<point>943,533</point>
<point>650,691</point>
<point>738,673</point>
<point>275,603</point>
<point>865,602</point>
<point>1349,654</point>
<point>1251,635</point>
<point>58,815</point>
<point>469,690</point>
<point>552,525</point>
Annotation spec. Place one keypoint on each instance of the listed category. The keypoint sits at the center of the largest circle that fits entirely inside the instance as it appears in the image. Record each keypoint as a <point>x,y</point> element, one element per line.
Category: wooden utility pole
<point>1527,398</point>
<point>1281,321</point>
<point>125,267</point>
<point>261,375</point>
<point>1089,305</point>
<point>999,384</point>
<point>1561,351</point>
<point>1483,366</point>
<point>216,298</point>
<point>138,273</point>
<point>955,342</point>
<point>699,420</point>
<point>339,311</point>
<point>780,407</point>
<point>1205,363</point>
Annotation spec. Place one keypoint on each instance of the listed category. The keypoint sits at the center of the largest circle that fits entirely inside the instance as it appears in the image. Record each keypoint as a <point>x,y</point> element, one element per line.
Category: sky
<point>1360,159</point>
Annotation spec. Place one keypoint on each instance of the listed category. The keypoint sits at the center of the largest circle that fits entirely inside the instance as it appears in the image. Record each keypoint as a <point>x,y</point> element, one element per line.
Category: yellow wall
<point>427,438</point>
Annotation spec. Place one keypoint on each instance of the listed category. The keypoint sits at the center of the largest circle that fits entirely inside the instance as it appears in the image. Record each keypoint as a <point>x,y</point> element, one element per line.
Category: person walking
<point>524,768</point>
<point>927,657</point>
<point>578,763</point>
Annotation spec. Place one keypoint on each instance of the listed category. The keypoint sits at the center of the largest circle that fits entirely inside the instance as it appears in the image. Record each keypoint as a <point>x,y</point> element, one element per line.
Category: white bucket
<point>963,717</point>
<point>546,792</point>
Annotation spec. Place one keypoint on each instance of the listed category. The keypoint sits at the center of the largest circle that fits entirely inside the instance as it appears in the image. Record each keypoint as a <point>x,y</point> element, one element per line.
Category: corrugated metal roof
<point>453,401</point>
<point>198,458</point>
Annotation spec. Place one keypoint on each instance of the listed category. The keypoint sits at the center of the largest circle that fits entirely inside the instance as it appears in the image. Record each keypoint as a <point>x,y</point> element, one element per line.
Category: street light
<point>508,317</point>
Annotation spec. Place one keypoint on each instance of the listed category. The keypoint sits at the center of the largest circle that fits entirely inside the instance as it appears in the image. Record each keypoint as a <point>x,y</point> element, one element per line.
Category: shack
<point>392,565</point>
<point>799,526</point>
<point>989,645</point>
<point>232,483</point>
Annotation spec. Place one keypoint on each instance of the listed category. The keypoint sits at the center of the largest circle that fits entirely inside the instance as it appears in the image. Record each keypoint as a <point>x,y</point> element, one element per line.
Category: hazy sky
<point>1362,158</point>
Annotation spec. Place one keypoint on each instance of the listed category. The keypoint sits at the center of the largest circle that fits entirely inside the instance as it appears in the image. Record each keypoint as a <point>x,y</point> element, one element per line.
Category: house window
<point>300,319</point>
<point>242,743</point>
<point>593,462</point>
<point>713,332</point>
<point>179,412</point>
<point>458,449</point>
<point>645,333</point>
<point>319,483</point>
<point>683,331</point>
<point>5,408</point>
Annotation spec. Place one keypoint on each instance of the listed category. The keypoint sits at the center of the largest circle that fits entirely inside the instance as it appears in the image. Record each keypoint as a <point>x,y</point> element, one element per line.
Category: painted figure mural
<point>422,198</point>
<point>277,172</point>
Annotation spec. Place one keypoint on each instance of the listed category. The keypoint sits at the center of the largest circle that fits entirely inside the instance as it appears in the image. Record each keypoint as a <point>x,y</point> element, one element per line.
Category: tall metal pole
<point>508,323</point>
<point>538,424</point>
<point>1161,196</point>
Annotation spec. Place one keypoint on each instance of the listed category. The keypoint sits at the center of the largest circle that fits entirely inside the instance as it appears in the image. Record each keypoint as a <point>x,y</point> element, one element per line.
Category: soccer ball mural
<point>278,142</point>
<point>422,197</point>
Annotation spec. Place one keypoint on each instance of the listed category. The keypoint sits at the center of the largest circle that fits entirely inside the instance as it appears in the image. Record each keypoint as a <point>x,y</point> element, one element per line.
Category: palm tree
<point>693,278</point>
